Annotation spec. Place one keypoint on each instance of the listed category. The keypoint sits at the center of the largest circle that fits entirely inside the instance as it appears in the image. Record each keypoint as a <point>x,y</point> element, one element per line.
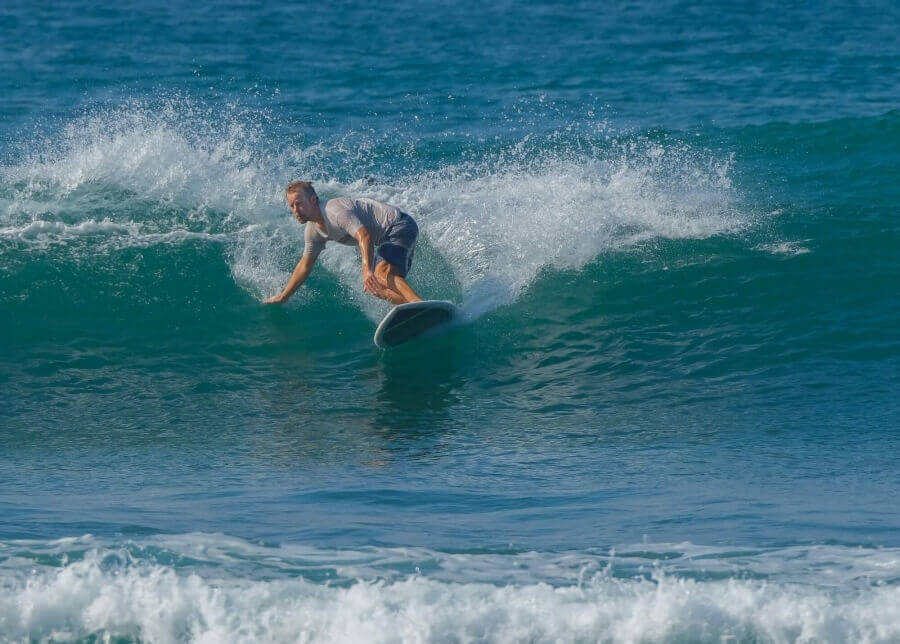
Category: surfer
<point>386,237</point>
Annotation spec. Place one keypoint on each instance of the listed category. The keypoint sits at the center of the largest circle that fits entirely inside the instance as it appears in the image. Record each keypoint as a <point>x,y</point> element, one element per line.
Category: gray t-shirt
<point>343,219</point>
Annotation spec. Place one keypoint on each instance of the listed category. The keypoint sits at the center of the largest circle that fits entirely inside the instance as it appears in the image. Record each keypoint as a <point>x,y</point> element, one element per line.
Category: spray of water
<point>496,215</point>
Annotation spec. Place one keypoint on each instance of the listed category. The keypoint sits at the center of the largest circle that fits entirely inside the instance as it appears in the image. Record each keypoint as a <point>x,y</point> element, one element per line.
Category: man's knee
<point>386,273</point>
<point>382,269</point>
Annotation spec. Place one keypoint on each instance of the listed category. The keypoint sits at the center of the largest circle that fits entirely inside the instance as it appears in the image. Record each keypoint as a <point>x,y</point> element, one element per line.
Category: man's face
<point>301,206</point>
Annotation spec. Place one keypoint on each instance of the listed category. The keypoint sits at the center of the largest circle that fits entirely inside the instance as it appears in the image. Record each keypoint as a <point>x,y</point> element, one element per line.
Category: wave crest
<point>496,218</point>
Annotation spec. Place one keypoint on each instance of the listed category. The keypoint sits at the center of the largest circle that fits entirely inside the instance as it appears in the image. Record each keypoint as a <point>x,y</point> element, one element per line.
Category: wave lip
<point>176,152</point>
<point>499,221</point>
<point>43,228</point>
<point>131,234</point>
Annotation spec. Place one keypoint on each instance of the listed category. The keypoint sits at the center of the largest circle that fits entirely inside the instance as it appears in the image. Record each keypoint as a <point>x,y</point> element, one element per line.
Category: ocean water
<point>672,415</point>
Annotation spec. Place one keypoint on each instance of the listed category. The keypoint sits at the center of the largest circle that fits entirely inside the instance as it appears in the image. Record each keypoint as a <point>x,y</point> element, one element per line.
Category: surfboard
<point>405,322</point>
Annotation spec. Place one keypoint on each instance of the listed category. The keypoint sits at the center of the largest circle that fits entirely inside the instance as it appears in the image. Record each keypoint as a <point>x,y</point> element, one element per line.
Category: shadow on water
<point>360,404</point>
<point>418,384</point>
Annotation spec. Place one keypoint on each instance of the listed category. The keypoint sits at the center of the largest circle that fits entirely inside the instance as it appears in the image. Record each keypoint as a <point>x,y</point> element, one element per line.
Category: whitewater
<point>648,592</point>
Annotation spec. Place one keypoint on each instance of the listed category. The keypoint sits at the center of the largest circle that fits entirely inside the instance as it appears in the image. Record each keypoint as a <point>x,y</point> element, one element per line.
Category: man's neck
<point>319,215</point>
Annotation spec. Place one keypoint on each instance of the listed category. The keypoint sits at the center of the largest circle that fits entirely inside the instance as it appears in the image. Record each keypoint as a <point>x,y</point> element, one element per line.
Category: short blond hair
<point>305,187</point>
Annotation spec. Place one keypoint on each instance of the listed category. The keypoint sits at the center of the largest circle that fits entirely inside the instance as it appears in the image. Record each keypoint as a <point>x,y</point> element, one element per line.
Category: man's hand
<point>301,272</point>
<point>371,283</point>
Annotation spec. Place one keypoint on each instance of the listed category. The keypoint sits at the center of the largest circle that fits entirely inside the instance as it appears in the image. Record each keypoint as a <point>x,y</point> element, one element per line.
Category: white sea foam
<point>496,221</point>
<point>227,590</point>
<point>789,248</point>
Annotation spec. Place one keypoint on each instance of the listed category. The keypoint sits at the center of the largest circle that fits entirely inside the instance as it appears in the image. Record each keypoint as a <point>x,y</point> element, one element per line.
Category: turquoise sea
<point>672,415</point>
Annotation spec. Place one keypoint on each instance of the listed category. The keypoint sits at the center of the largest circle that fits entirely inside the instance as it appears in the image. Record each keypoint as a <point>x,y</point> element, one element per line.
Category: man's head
<point>302,200</point>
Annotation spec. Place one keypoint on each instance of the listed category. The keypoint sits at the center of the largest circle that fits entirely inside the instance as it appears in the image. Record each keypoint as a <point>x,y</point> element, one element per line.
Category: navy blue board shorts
<point>399,244</point>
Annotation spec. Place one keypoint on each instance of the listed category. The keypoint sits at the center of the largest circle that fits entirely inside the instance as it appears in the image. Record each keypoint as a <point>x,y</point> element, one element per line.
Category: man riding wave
<point>386,237</point>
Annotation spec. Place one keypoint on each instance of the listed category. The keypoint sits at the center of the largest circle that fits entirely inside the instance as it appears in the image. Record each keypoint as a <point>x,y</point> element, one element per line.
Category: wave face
<point>673,230</point>
<point>196,587</point>
<point>138,178</point>
<point>169,220</point>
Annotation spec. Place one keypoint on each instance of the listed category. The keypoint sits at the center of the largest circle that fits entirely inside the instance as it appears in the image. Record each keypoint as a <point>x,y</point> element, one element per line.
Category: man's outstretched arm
<point>301,272</point>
